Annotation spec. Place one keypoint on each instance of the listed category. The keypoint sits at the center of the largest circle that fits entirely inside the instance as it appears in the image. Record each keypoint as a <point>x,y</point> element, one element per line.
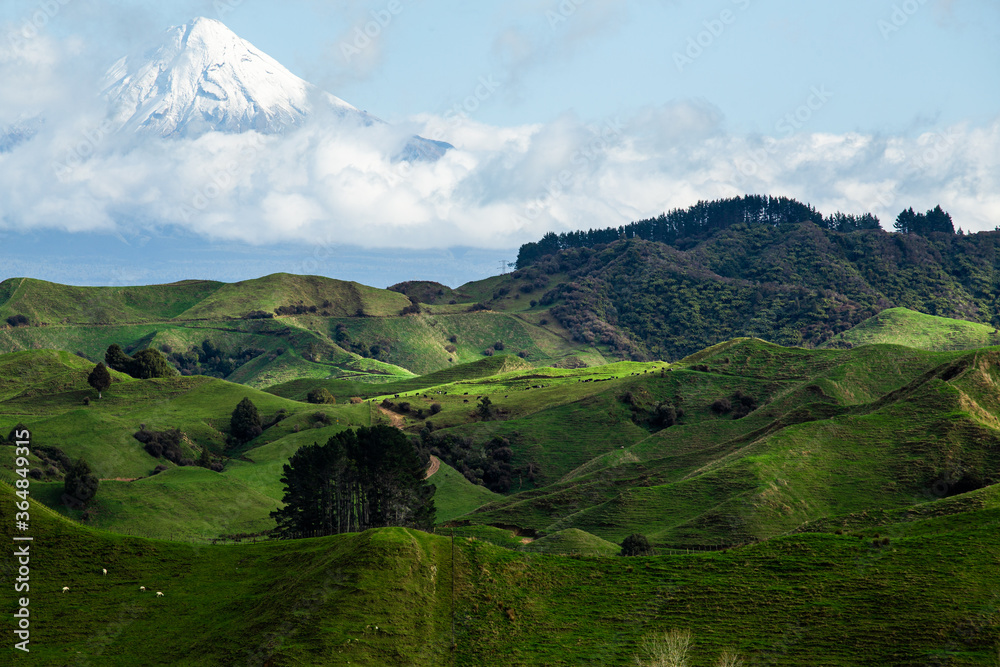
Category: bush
<point>489,352</point>
<point>158,469</point>
<point>435,408</point>
<point>667,650</point>
<point>453,339</point>
<point>80,485</point>
<point>356,399</point>
<point>498,346</point>
<point>245,423</point>
<point>721,406</point>
<point>636,544</point>
<point>450,348</point>
<point>321,396</point>
<point>17,321</point>
<point>161,443</point>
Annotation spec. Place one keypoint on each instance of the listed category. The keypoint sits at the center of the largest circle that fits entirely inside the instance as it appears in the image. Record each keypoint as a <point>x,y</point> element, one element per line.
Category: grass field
<point>810,598</point>
<point>901,326</point>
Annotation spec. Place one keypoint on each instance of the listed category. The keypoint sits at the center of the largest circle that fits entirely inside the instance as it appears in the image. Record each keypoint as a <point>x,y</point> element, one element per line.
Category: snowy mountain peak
<point>203,77</point>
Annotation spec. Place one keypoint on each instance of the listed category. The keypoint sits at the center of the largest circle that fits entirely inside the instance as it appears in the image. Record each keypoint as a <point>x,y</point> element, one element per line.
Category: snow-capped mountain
<point>203,77</point>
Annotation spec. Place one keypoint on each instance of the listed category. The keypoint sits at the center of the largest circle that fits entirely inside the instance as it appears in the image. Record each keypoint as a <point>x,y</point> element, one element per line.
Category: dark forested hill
<point>754,271</point>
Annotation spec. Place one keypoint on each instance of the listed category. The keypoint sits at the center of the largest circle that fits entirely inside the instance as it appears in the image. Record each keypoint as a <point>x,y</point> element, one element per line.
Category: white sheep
<point>105,571</point>
<point>65,588</point>
<point>159,594</point>
<point>142,588</point>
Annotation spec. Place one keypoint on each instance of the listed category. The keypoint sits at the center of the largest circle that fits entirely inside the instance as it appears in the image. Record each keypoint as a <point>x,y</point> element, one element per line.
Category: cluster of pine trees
<point>360,479</point>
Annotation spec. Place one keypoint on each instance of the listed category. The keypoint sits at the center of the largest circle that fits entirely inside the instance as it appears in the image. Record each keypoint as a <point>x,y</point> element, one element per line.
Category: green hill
<point>274,329</point>
<point>384,597</point>
<point>901,326</point>
<point>573,541</point>
<point>749,266</point>
<point>835,432</point>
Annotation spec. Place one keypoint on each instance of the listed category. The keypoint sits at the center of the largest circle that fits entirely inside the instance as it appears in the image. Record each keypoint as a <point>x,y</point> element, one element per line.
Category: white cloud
<point>501,186</point>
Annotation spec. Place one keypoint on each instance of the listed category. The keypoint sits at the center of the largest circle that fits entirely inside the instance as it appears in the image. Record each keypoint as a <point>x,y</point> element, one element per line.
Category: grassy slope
<point>44,390</point>
<point>901,326</point>
<point>456,495</point>
<point>815,598</point>
<point>87,320</point>
<point>343,390</point>
<point>825,442</point>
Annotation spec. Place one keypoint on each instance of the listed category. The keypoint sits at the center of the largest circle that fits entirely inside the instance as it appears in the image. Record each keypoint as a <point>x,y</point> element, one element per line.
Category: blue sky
<point>852,105</point>
<point>894,66</point>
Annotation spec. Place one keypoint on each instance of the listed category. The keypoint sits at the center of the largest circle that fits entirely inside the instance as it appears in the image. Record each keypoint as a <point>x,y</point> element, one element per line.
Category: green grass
<point>180,316</point>
<point>811,598</point>
<point>573,541</point>
<point>455,495</point>
<point>902,326</point>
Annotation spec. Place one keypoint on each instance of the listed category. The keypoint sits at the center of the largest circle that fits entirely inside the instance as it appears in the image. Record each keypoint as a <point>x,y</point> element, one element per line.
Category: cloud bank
<point>332,183</point>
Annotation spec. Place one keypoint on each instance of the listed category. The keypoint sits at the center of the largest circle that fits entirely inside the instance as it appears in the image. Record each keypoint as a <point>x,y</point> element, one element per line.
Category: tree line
<point>681,227</point>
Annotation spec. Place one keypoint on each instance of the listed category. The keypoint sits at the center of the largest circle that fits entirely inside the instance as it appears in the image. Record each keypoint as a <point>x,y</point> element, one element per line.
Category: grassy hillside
<point>835,432</point>
<point>45,389</point>
<point>902,326</point>
<point>277,328</point>
<point>456,495</point>
<point>812,598</point>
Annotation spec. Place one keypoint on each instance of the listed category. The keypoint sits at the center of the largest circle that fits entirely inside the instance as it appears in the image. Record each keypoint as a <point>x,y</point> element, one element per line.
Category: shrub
<point>523,354</point>
<point>321,396</point>
<point>721,406</point>
<point>636,544</point>
<point>356,399</point>
<point>161,443</point>
<point>158,469</point>
<point>450,348</point>
<point>435,408</point>
<point>80,485</point>
<point>667,650</point>
<point>453,339</point>
<point>17,321</point>
<point>489,352</point>
<point>498,346</point>
<point>35,473</point>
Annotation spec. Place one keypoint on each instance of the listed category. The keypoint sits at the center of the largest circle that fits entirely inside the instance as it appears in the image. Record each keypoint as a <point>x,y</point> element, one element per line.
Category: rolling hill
<point>386,597</point>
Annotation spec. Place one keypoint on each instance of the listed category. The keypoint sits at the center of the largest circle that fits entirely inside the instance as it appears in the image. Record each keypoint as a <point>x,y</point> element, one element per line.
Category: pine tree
<point>99,378</point>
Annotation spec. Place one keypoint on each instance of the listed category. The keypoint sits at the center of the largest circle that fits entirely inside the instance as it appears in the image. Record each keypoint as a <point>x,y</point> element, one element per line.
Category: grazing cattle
<point>159,594</point>
<point>65,588</point>
<point>105,571</point>
<point>142,588</point>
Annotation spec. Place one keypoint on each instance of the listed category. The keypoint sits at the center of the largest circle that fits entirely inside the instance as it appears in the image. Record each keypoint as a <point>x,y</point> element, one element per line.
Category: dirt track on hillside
<point>433,467</point>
